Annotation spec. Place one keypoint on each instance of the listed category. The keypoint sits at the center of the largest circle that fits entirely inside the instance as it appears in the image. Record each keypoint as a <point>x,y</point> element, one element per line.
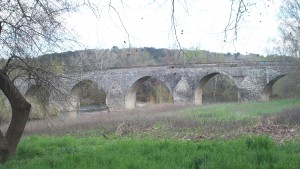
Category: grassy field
<point>231,135</point>
<point>36,152</point>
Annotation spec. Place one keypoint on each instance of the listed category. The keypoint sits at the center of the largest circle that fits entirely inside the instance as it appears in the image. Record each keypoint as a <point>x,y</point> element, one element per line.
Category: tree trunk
<point>4,148</point>
<point>20,112</point>
<point>215,89</point>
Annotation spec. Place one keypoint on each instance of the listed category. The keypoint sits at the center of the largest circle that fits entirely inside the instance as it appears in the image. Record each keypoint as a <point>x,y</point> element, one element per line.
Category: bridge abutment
<point>245,95</point>
<point>115,97</point>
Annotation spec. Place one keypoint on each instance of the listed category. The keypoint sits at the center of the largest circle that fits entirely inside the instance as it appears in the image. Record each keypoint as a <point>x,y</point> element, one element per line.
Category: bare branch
<point>238,10</point>
<point>174,28</point>
<point>290,27</point>
<point>122,23</point>
<point>0,27</point>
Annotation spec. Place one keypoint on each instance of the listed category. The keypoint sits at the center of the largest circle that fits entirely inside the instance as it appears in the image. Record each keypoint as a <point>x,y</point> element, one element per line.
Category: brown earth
<point>164,121</point>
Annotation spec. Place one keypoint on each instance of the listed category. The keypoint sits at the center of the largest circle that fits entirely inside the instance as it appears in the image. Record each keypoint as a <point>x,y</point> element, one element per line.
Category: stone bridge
<point>184,82</point>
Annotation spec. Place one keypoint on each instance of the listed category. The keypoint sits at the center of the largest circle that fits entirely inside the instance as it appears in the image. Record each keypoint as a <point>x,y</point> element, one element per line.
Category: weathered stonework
<point>184,82</point>
<point>183,91</point>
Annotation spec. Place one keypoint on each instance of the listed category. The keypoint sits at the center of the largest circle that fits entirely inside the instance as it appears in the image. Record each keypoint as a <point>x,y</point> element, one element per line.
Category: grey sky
<point>200,24</point>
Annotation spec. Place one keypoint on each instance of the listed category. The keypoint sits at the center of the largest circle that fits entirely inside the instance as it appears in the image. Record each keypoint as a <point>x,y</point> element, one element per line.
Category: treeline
<point>101,59</point>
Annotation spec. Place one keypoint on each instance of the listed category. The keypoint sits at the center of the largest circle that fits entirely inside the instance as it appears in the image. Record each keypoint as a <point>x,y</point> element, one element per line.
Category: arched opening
<point>278,89</point>
<point>147,90</point>
<point>216,88</point>
<point>87,97</point>
<point>286,87</point>
<point>38,96</point>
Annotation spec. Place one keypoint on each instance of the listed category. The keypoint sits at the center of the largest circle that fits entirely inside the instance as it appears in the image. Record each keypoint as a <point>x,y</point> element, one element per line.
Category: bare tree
<point>290,27</point>
<point>27,28</point>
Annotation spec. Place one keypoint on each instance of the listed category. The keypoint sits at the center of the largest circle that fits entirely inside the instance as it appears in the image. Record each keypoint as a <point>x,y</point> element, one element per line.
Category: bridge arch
<point>39,92</point>
<point>85,93</point>
<point>198,94</point>
<point>38,96</point>
<point>131,96</point>
<point>267,90</point>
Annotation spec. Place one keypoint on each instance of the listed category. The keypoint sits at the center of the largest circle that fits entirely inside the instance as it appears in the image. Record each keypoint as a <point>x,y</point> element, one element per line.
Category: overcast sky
<point>200,24</point>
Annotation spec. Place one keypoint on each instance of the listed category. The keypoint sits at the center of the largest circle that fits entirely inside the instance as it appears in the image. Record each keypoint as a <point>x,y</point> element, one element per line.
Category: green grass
<point>37,152</point>
<point>241,111</point>
<point>163,143</point>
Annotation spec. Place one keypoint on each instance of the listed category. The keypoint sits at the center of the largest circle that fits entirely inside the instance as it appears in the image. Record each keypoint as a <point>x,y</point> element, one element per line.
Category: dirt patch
<point>279,133</point>
<point>166,121</point>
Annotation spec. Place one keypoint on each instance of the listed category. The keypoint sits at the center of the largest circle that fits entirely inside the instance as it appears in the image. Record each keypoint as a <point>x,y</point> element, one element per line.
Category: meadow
<point>229,135</point>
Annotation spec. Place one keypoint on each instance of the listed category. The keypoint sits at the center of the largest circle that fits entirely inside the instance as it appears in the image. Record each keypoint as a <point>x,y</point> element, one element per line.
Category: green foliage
<point>220,89</point>
<point>162,94</point>
<point>154,91</point>
<point>194,56</point>
<point>94,152</point>
<point>286,87</point>
<point>89,93</point>
<point>56,67</point>
<point>158,54</point>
